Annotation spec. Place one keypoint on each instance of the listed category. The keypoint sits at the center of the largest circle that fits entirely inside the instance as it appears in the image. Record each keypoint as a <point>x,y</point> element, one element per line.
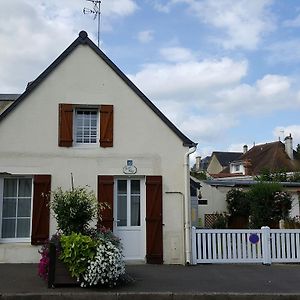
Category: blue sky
<point>226,72</point>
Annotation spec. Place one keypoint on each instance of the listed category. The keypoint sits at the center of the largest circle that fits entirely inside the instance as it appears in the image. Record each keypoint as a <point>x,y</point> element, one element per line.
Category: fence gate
<point>263,245</point>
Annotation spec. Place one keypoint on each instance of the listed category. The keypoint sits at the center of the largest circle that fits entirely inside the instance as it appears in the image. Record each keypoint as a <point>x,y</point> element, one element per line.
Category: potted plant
<point>79,253</point>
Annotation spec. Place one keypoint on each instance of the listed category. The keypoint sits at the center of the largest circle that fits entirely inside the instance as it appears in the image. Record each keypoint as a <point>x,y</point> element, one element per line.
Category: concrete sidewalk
<point>20,281</point>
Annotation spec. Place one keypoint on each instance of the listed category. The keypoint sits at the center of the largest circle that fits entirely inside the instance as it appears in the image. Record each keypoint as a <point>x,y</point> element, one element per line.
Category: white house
<point>83,116</point>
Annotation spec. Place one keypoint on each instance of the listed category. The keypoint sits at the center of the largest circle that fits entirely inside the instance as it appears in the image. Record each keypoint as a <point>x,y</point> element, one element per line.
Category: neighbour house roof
<point>225,158</point>
<point>271,156</point>
<point>9,97</point>
<point>84,40</point>
<point>6,100</point>
<point>244,183</point>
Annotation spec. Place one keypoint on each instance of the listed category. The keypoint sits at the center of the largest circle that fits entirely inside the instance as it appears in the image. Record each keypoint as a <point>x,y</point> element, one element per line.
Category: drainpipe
<point>187,205</point>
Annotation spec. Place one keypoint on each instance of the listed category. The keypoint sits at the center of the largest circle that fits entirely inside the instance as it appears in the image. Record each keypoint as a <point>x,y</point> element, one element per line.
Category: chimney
<point>288,142</point>
<point>248,167</point>
<point>198,163</point>
<point>245,149</point>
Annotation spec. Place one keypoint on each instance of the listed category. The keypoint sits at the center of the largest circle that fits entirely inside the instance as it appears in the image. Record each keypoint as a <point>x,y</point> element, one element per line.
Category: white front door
<point>129,216</point>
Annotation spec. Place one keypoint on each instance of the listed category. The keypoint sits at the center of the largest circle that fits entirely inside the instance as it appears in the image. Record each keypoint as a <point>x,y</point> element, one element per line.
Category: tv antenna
<point>96,12</point>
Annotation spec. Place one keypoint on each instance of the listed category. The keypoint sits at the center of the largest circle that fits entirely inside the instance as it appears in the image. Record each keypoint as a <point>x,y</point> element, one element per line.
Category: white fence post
<point>266,245</point>
<point>194,246</point>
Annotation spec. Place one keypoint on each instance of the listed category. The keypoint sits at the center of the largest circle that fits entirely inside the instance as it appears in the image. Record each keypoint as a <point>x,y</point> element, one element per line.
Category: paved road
<point>168,282</point>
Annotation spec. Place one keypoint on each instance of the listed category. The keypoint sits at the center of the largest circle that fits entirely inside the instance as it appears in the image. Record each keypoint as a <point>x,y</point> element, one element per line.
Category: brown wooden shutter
<point>65,126</point>
<point>154,236</point>
<point>106,195</point>
<point>41,210</point>
<point>106,125</point>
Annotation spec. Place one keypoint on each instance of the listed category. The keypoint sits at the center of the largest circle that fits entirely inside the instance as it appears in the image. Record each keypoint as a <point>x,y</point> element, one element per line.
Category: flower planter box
<point>58,274</point>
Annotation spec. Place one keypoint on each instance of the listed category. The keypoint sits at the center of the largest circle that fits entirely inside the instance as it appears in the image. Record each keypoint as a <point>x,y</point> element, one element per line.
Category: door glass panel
<point>122,187</point>
<point>122,203</point>
<point>135,203</point>
<point>135,187</point>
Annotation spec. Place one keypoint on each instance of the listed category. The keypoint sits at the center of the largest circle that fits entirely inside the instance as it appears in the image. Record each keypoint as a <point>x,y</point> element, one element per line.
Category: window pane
<point>135,211</point>
<point>135,187</point>
<point>122,211</point>
<point>25,187</point>
<point>10,187</point>
<point>122,186</point>
<point>24,207</point>
<point>86,126</point>
<point>8,228</point>
<point>9,208</point>
<point>23,228</point>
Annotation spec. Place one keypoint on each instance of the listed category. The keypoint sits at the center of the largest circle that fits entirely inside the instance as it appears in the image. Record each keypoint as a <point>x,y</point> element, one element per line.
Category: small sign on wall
<point>129,168</point>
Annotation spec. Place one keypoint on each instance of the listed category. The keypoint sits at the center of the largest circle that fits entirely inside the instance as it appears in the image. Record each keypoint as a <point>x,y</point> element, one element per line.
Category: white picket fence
<point>263,245</point>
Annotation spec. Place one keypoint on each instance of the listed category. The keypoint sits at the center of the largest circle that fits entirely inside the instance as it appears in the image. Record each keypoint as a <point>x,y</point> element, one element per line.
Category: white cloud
<point>207,127</point>
<point>119,8</point>
<point>272,92</point>
<point>34,32</point>
<point>283,131</point>
<point>177,54</point>
<point>187,80</point>
<point>284,51</point>
<point>272,85</point>
<point>244,22</point>
<point>145,36</point>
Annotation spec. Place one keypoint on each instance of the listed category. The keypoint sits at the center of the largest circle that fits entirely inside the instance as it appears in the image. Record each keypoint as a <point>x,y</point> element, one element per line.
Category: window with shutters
<point>15,209</point>
<point>85,125</point>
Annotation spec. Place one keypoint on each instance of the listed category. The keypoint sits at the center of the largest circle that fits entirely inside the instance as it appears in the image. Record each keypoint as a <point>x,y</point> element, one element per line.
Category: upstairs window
<point>86,126</point>
<point>80,124</point>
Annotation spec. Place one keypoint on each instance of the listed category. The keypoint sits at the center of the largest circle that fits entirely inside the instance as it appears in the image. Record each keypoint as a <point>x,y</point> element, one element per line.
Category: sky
<point>225,72</point>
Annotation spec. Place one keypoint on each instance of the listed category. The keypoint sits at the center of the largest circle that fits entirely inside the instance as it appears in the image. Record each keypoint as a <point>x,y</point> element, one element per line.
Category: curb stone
<point>149,296</point>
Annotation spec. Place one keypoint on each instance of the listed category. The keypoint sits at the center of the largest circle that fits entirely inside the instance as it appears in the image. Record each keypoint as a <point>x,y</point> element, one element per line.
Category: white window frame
<point>86,108</point>
<point>15,240</point>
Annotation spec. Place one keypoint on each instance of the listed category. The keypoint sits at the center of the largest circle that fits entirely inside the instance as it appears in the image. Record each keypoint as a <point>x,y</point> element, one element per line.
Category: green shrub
<point>268,204</point>
<point>74,209</point>
<point>77,251</point>
<point>237,203</point>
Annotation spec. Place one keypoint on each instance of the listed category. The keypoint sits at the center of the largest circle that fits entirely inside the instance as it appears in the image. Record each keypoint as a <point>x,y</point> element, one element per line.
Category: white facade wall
<point>29,143</point>
<point>216,201</point>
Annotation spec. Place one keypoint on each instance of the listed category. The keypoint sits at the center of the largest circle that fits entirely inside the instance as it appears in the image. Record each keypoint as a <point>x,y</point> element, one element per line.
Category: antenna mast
<point>96,11</point>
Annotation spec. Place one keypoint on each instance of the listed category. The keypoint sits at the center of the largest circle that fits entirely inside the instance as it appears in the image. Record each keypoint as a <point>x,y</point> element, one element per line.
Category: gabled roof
<point>84,40</point>
<point>271,156</point>
<point>225,158</point>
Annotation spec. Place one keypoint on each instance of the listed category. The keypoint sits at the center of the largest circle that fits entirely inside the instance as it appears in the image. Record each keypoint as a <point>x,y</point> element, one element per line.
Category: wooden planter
<point>58,274</point>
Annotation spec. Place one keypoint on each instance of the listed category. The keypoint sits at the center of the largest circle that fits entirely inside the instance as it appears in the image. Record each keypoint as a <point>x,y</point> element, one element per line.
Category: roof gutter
<point>187,205</point>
